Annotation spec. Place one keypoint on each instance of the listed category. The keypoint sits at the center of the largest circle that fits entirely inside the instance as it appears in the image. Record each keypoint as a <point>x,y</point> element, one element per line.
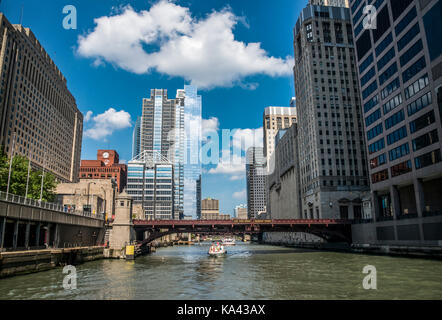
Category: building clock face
<point>105,155</point>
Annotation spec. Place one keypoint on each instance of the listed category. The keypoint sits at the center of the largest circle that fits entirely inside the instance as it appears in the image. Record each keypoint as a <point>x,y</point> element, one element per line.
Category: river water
<point>248,271</point>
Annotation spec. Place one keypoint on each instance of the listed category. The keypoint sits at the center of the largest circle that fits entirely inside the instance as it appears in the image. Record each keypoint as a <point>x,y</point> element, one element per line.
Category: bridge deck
<point>238,222</point>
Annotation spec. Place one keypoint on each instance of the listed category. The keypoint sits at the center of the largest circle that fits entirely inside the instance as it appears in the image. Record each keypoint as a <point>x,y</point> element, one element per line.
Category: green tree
<point>19,175</point>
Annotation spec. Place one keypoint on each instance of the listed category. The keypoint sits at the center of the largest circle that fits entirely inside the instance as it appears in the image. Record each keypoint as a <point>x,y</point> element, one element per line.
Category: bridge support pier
<point>28,229</point>
<point>2,232</point>
<point>37,235</point>
<point>15,236</point>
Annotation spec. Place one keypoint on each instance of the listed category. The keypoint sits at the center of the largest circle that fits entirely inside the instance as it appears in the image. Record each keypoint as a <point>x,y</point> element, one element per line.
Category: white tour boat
<point>217,250</point>
<point>229,242</point>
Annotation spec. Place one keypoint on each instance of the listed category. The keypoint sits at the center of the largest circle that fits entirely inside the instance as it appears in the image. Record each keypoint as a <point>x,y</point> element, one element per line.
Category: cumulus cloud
<point>210,126</point>
<point>106,123</point>
<point>88,116</point>
<point>240,194</point>
<point>168,39</point>
<point>233,165</point>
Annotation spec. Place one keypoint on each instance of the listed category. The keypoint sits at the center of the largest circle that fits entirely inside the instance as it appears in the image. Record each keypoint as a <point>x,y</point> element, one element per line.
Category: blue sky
<point>100,81</point>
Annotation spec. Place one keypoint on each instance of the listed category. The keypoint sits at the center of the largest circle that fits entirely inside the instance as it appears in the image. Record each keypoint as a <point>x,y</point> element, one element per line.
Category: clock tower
<point>108,157</point>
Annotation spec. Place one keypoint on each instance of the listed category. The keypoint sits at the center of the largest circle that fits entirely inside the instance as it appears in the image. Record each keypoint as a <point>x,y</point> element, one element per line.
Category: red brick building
<point>106,166</point>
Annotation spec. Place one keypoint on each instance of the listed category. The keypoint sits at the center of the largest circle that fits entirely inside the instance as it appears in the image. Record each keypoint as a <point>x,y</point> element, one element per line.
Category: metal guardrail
<point>13,198</point>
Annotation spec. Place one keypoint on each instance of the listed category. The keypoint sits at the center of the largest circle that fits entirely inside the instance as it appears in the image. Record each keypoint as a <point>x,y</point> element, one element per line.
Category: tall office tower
<point>136,137</point>
<point>256,175</point>
<point>210,209</point>
<point>151,174</point>
<point>332,159</point>
<point>400,71</point>
<point>274,119</point>
<point>241,211</point>
<point>192,148</point>
<point>39,118</point>
<point>172,128</point>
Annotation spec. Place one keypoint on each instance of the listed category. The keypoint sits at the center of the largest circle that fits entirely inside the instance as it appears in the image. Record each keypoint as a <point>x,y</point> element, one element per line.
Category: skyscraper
<point>274,119</point>
<point>39,118</point>
<point>136,137</point>
<point>171,129</point>
<point>400,72</point>
<point>332,165</point>
<point>256,175</point>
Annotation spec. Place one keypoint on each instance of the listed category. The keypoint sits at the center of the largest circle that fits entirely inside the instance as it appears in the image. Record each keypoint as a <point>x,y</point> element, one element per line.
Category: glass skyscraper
<point>170,130</point>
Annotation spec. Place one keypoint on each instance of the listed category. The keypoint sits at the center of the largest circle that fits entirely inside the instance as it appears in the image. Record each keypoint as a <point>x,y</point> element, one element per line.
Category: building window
<point>422,122</point>
<point>397,135</point>
<point>427,159</point>
<point>425,140</point>
<point>379,176</point>
<point>378,161</point>
<point>399,152</point>
<point>416,87</point>
<point>414,69</point>
<point>401,168</point>
<point>419,103</point>
<point>394,119</point>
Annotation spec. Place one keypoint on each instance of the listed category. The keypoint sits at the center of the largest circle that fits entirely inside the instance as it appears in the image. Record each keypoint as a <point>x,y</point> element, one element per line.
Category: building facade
<point>210,209</point>
<point>283,183</point>
<point>171,128</point>
<point>274,119</point>
<point>39,118</point>
<point>94,196</point>
<point>136,138</point>
<point>256,175</point>
<point>150,182</point>
<point>332,155</point>
<point>106,167</point>
<point>241,211</point>
<point>400,73</point>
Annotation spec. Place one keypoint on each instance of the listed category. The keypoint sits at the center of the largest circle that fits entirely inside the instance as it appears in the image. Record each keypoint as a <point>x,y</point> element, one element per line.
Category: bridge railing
<point>13,198</point>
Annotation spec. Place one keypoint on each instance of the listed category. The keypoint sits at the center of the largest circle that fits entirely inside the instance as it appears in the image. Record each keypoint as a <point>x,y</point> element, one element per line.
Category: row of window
<point>388,73</point>
<point>373,117</point>
<point>367,77</point>
<point>399,152</point>
<point>374,132</point>
<point>425,140</point>
<point>411,53</point>
<point>392,103</point>
<point>419,103</point>
<point>420,162</point>
<point>416,86</point>
<point>397,135</point>
<point>405,21</point>
<point>394,119</point>
<point>389,88</point>
<point>376,146</point>
<point>370,104</point>
<point>414,69</point>
<point>386,58</point>
<point>406,39</point>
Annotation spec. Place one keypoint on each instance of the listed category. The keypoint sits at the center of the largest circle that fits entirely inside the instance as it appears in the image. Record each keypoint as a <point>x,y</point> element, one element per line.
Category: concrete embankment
<point>293,240</point>
<point>23,262</point>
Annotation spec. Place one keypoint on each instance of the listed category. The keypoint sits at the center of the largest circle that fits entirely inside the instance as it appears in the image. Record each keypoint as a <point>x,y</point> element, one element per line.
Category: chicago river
<point>248,271</point>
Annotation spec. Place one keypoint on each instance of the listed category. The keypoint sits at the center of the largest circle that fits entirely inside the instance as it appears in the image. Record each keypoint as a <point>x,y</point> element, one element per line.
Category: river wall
<point>23,262</point>
<point>289,238</point>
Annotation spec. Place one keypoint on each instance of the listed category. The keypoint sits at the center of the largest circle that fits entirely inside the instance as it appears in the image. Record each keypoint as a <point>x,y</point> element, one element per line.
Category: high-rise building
<point>151,182</point>
<point>332,158</point>
<point>256,175</point>
<point>241,211</point>
<point>172,128</point>
<point>106,167</point>
<point>210,209</point>
<point>400,73</point>
<point>274,119</point>
<point>39,118</point>
<point>136,137</point>
<point>284,199</point>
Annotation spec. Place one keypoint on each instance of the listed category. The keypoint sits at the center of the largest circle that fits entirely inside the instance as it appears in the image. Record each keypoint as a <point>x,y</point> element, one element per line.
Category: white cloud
<point>106,123</point>
<point>240,194</point>
<point>245,138</point>
<point>88,116</point>
<point>210,126</point>
<point>166,38</point>
<point>234,166</point>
